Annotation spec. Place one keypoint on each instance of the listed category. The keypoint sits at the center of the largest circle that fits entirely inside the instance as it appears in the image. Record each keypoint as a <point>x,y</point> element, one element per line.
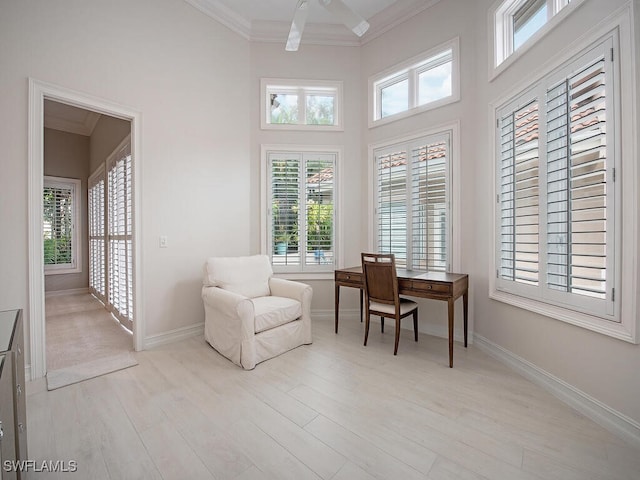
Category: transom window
<point>301,104</point>
<point>518,23</point>
<point>300,209</point>
<point>61,225</point>
<point>412,202</point>
<point>423,82</point>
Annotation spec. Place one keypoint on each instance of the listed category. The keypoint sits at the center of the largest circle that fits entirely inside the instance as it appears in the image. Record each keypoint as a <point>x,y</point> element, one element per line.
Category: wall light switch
<point>164,242</point>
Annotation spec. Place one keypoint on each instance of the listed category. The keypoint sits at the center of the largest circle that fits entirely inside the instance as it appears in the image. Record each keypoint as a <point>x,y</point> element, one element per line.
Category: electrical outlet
<point>164,242</point>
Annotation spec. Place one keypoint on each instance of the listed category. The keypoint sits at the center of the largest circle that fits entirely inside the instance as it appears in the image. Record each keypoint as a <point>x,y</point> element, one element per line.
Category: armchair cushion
<point>271,312</point>
<point>246,276</point>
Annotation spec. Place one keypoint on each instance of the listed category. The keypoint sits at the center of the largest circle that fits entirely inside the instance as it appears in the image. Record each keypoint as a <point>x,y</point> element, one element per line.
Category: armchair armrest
<point>288,288</point>
<point>229,320</point>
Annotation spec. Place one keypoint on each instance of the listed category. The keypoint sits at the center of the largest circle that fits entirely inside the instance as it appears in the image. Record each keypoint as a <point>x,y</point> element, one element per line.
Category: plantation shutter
<point>119,223</point>
<point>301,210</point>
<point>412,205</point>
<point>392,199</point>
<point>519,194</point>
<point>97,253</point>
<point>429,206</point>
<point>285,202</point>
<point>577,182</point>
<point>58,223</point>
<point>319,193</point>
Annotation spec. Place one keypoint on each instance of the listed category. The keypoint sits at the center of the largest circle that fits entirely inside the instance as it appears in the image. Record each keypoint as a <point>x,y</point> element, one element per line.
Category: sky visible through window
<point>530,27</point>
<point>432,83</point>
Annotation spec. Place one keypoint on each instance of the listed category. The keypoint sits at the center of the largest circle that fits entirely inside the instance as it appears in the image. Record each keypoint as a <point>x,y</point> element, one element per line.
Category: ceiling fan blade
<point>351,19</point>
<point>297,26</point>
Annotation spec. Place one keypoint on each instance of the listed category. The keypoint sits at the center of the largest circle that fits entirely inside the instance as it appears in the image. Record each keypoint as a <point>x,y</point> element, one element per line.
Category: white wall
<point>108,133</point>
<point>314,63</point>
<point>188,76</point>
<point>604,368</point>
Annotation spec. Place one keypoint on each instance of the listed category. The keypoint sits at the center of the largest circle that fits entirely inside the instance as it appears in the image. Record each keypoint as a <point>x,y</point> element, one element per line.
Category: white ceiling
<point>270,20</point>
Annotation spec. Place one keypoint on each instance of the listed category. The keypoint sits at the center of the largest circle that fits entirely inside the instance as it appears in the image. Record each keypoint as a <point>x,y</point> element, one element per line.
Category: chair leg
<point>366,327</point>
<point>382,324</point>
<point>415,324</point>
<point>395,349</point>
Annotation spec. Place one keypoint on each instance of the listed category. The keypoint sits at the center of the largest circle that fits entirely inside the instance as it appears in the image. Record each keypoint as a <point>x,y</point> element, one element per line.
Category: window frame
<point>502,53</point>
<point>304,89</point>
<point>302,271</point>
<point>411,69</point>
<point>75,185</point>
<point>453,184</point>
<point>618,28</point>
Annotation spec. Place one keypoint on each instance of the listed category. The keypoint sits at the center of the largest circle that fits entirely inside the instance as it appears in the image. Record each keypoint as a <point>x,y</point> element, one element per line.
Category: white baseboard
<point>171,336</point>
<point>71,291</point>
<point>605,416</point>
<point>441,331</point>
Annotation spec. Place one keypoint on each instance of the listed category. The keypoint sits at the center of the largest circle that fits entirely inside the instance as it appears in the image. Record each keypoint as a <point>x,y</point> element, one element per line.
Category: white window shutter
<point>412,202</point>
<point>577,183</point>
<point>120,239</point>
<point>519,194</point>
<point>97,253</point>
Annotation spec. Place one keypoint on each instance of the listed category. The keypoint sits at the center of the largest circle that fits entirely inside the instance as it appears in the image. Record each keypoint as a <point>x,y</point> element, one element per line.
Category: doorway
<point>40,92</point>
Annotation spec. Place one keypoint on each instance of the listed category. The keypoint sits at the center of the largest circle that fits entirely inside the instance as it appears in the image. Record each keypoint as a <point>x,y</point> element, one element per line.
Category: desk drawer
<point>348,278</point>
<point>428,287</point>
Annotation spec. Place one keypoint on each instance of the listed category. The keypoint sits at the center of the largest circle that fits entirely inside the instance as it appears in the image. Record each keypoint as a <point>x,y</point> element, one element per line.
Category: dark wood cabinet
<point>13,405</point>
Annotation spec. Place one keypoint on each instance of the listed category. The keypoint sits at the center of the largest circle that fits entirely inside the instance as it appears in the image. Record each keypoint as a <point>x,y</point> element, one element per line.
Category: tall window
<point>556,185</point>
<point>61,225</point>
<point>301,213</point>
<point>413,202</point>
<point>423,82</point>
<point>301,104</point>
<point>111,234</point>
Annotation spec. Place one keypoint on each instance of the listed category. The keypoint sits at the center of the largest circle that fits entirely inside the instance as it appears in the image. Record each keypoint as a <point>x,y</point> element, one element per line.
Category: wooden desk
<point>433,285</point>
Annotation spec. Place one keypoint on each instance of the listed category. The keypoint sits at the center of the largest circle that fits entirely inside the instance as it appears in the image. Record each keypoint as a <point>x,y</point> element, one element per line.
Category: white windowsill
<point>590,322</point>
<point>305,275</point>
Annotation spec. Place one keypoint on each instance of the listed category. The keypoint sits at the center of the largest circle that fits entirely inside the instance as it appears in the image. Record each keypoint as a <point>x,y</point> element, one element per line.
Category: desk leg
<point>450,305</point>
<point>361,303</point>
<point>465,303</point>
<point>337,301</point>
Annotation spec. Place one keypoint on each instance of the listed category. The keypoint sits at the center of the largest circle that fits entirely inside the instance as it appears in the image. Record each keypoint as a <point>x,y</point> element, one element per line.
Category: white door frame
<point>38,91</point>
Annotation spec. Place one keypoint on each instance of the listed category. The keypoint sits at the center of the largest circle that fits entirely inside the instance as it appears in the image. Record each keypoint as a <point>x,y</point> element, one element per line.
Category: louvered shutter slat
<point>577,214</point>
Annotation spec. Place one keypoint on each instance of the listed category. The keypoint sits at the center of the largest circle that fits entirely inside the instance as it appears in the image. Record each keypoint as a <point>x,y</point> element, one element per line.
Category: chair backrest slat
<point>380,278</point>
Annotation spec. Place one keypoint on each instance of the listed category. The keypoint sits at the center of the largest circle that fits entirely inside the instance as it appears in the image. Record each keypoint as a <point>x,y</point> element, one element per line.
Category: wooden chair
<point>381,294</point>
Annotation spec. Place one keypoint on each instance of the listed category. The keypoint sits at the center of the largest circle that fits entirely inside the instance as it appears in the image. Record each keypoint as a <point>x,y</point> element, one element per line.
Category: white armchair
<point>250,316</point>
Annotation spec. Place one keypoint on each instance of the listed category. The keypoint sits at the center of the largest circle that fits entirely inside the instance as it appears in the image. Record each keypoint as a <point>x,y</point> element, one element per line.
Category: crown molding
<point>314,34</point>
<point>393,16</point>
<point>219,12</point>
<point>79,128</point>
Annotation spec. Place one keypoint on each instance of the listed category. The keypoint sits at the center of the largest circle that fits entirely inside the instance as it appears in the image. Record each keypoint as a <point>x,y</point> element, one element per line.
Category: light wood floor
<point>331,410</point>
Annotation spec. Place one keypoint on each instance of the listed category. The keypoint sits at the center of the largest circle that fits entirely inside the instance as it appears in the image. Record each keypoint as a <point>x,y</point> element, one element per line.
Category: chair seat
<point>271,312</point>
<point>406,306</point>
